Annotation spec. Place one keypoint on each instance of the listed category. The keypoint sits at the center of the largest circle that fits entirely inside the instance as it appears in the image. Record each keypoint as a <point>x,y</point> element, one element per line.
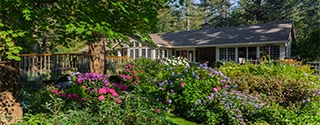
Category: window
<point>222,54</point>
<point>161,53</point>
<point>124,53</point>
<point>252,53</point>
<point>136,53</point>
<point>149,53</point>
<point>231,54</point>
<point>143,53</point>
<point>136,44</point>
<point>227,54</point>
<point>131,53</point>
<point>156,53</point>
<point>272,50</point>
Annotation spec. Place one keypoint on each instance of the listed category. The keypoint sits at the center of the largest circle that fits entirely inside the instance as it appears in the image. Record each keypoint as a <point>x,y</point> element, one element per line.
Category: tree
<point>218,12</point>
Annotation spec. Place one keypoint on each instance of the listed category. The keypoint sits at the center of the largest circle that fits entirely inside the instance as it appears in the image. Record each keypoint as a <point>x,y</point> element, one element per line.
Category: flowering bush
<point>89,87</point>
<point>189,90</point>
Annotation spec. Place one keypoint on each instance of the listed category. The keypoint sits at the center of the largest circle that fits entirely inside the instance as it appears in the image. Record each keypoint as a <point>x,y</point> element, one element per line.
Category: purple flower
<point>197,77</point>
<point>169,101</point>
<point>199,101</point>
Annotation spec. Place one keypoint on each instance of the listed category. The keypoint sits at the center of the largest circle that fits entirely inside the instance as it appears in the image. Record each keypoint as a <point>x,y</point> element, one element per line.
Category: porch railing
<point>43,67</point>
<point>315,66</point>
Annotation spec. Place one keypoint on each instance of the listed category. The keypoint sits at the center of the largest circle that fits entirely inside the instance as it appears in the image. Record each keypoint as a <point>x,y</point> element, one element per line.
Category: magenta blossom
<point>75,96</point>
<point>182,84</point>
<point>55,91</point>
<point>123,87</point>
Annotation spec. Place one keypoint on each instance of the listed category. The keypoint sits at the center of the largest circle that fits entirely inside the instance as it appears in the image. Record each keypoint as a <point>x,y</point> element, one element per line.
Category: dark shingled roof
<point>259,33</point>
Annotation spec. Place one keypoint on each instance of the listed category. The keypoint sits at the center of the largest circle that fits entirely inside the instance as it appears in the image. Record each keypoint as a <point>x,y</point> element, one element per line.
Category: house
<point>211,44</point>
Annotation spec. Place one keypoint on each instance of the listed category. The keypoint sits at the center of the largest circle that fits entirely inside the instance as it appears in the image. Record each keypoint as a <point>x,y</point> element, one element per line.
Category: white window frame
<point>226,55</point>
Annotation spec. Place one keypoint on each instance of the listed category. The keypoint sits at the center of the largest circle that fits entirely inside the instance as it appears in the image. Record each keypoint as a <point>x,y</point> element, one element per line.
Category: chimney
<point>205,25</point>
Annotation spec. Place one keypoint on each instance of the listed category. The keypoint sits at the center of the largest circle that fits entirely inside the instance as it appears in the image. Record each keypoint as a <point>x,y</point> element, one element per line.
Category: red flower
<point>157,110</point>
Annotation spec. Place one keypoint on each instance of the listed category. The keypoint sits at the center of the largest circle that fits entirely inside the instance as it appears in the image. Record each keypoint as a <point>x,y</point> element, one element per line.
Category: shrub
<point>285,84</point>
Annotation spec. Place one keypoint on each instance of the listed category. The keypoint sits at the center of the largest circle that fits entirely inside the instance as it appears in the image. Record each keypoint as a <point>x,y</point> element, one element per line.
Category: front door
<point>184,53</point>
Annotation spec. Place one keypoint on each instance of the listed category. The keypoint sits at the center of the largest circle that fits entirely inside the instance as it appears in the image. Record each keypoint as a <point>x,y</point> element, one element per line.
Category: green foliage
<point>133,109</point>
<point>308,46</point>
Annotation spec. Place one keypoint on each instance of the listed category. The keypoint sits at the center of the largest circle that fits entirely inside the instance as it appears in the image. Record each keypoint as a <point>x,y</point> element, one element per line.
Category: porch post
<point>258,52</point>
<point>217,54</point>
<point>236,55</point>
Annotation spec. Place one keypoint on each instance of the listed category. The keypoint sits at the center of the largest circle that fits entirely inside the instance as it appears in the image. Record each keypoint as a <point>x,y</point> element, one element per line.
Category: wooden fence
<point>43,67</point>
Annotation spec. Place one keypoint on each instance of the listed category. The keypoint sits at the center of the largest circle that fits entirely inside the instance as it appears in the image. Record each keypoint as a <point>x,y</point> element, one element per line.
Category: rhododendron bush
<point>89,87</point>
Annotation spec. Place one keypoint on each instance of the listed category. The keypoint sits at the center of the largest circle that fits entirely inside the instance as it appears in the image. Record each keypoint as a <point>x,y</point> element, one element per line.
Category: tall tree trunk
<point>10,87</point>
<point>96,56</point>
<point>10,92</point>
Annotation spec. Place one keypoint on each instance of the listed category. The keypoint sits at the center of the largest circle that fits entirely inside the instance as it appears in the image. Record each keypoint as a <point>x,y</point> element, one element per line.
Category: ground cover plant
<point>174,91</point>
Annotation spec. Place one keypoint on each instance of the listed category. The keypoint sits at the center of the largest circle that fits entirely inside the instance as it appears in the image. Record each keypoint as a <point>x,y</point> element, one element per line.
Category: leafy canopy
<point>20,20</point>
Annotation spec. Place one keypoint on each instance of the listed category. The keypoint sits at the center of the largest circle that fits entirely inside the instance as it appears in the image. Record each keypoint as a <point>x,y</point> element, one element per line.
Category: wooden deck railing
<point>35,67</point>
<point>315,66</point>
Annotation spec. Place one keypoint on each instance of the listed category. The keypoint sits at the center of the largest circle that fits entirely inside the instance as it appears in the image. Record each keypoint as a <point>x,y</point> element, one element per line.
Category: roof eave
<point>237,44</point>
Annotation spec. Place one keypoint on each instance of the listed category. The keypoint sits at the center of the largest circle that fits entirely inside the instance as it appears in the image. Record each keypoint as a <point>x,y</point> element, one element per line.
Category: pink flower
<point>100,98</point>
<point>114,94</point>
<point>55,91</point>
<point>103,90</point>
<point>83,99</point>
<point>111,91</point>
<point>69,96</point>
<point>215,89</point>
<point>224,86</point>
<point>135,82</point>
<point>122,87</point>
<point>79,80</point>
<point>182,84</point>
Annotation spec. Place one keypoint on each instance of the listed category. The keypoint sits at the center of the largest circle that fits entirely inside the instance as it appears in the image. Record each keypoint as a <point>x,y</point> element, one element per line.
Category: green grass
<point>178,120</point>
